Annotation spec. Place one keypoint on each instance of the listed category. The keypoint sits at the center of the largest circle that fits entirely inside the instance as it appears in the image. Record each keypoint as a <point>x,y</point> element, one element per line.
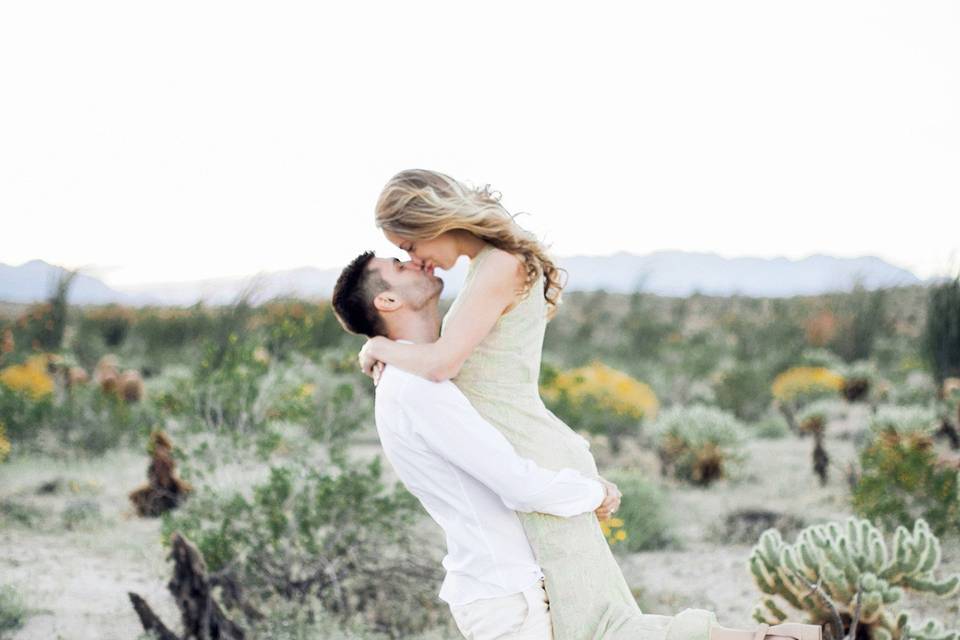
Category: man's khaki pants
<point>519,616</point>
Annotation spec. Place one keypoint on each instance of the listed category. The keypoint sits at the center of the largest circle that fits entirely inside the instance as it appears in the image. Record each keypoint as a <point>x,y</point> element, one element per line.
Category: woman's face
<point>437,252</point>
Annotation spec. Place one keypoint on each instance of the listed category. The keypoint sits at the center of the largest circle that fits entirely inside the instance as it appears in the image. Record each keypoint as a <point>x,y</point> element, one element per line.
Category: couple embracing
<point>459,414</point>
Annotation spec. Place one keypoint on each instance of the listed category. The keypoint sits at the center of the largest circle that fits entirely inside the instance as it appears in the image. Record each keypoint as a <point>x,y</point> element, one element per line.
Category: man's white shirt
<point>472,482</point>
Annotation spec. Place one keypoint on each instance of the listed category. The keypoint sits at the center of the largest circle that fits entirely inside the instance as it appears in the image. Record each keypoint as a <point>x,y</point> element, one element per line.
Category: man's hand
<point>611,502</point>
<point>377,372</point>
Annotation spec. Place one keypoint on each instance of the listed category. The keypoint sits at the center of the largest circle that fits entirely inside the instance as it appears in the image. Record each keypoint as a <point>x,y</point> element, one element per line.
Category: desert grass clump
<point>600,399</point>
<point>81,513</point>
<point>902,476</point>
<point>698,444</point>
<point>845,576</point>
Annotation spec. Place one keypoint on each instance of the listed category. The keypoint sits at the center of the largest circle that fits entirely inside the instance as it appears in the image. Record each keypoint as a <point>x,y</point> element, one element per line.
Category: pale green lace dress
<point>589,598</point>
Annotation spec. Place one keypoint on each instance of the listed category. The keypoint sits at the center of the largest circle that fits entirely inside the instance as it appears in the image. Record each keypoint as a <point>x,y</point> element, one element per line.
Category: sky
<point>147,142</point>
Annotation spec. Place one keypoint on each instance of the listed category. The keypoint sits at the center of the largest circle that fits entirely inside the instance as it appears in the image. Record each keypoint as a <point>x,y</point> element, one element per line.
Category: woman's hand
<point>611,502</point>
<point>377,372</point>
<point>368,358</point>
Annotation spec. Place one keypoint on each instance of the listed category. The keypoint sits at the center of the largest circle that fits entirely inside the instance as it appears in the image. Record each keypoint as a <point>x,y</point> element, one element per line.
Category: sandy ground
<point>76,578</point>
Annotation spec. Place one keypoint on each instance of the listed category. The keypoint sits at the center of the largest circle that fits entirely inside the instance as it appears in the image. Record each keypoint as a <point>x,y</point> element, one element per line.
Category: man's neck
<point>420,328</point>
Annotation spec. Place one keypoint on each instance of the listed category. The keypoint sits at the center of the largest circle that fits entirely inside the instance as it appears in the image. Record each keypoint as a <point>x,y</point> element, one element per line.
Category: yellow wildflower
<point>30,377</point>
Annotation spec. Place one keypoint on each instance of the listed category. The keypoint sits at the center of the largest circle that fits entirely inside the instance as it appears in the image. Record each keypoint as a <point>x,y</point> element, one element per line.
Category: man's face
<point>414,285</point>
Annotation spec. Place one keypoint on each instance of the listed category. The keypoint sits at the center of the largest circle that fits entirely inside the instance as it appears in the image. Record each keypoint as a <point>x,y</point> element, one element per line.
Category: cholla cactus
<point>698,443</point>
<point>822,572</point>
<point>815,416</point>
<point>857,379</point>
<point>908,421</point>
<point>799,386</point>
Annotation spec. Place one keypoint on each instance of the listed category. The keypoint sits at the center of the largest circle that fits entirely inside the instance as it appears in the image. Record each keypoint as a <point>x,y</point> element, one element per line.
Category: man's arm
<point>449,424</point>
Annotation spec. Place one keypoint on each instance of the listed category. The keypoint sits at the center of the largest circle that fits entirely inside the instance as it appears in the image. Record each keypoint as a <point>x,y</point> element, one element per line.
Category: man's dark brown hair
<point>353,296</point>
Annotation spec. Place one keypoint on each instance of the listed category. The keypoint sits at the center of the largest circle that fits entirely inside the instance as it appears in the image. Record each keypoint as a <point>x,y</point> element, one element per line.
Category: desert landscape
<point>240,427</point>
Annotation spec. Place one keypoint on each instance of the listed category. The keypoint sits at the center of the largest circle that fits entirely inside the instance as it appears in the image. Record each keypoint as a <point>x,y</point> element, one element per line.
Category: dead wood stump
<point>201,615</point>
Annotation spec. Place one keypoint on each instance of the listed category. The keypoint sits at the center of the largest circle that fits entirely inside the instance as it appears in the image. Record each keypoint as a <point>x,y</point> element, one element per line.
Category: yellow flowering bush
<point>800,384</point>
<point>31,377</point>
<point>26,398</point>
<point>600,399</point>
<point>4,443</point>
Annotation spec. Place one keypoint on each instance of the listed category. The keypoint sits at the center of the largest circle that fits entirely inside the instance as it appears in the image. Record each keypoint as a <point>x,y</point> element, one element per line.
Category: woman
<point>490,347</point>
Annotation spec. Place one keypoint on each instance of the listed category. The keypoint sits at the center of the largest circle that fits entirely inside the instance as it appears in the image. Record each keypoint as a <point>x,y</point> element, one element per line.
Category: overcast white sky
<point>180,140</point>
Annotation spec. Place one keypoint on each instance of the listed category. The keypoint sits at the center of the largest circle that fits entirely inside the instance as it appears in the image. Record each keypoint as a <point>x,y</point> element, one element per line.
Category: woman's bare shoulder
<point>504,266</point>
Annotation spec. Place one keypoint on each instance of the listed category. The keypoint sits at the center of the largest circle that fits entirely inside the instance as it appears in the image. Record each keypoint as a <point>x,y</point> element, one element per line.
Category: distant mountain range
<point>667,273</point>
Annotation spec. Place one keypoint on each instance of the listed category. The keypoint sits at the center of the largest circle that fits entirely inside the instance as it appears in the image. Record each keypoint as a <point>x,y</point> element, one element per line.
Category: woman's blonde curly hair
<point>420,204</point>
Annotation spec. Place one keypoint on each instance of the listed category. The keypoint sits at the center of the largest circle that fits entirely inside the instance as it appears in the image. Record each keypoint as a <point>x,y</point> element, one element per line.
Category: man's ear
<point>387,301</point>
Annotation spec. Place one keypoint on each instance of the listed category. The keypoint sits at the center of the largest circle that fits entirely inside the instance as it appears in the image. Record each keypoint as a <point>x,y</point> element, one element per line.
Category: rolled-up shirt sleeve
<point>446,421</point>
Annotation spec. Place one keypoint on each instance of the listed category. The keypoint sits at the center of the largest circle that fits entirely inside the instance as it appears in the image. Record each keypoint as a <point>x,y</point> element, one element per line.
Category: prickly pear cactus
<point>842,557</point>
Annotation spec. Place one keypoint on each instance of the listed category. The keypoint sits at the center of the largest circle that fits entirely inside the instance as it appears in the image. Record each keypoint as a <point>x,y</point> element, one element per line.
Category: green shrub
<point>81,513</point>
<point>743,389</point>
<point>644,514</point>
<point>336,537</point>
<point>901,477</point>
<point>13,610</point>
<point>293,326</point>
<point>771,426</point>
<point>698,443</point>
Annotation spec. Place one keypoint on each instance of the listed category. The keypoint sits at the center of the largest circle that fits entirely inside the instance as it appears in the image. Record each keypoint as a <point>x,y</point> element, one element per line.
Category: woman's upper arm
<point>494,288</point>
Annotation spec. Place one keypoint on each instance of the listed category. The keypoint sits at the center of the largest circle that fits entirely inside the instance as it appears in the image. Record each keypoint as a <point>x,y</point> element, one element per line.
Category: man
<point>462,469</point>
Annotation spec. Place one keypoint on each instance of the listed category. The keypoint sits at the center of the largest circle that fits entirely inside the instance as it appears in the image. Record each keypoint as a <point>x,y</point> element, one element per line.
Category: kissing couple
<point>460,418</point>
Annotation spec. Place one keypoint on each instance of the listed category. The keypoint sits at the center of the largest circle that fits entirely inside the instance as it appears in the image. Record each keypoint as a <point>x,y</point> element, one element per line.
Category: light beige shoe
<point>794,630</point>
